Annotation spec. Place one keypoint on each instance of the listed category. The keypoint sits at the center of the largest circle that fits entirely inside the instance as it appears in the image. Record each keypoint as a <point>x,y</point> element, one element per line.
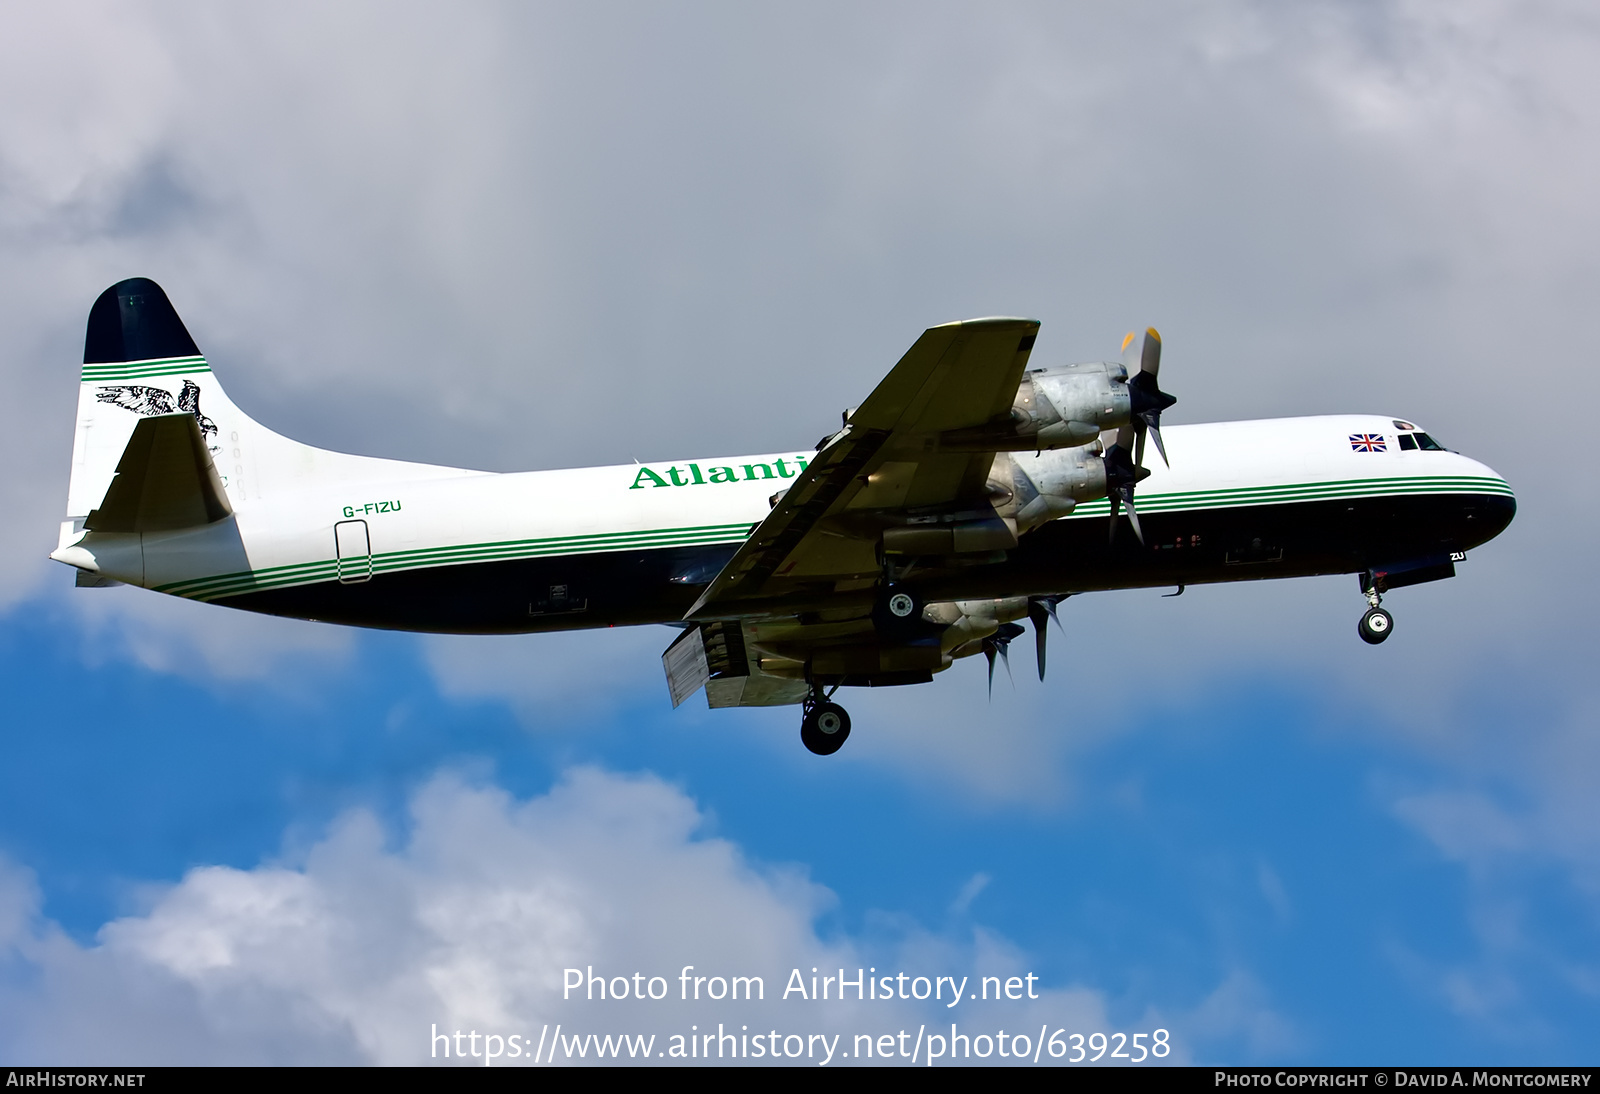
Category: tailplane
<point>161,451</point>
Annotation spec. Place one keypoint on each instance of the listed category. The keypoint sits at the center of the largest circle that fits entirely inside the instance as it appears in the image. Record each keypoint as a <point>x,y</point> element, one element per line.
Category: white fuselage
<point>308,517</point>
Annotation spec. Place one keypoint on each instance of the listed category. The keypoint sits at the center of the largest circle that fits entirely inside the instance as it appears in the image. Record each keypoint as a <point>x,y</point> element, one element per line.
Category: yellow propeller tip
<point>1128,339</point>
<point>1153,333</point>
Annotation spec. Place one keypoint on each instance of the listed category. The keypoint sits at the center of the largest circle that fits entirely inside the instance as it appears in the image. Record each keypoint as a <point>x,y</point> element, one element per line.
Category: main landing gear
<point>1377,623</point>
<point>824,726</point>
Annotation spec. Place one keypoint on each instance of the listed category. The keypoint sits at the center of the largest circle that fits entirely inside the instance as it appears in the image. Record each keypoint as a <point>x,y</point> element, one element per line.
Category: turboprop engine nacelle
<point>1061,407</point>
<point>968,622</point>
<point>1045,485</point>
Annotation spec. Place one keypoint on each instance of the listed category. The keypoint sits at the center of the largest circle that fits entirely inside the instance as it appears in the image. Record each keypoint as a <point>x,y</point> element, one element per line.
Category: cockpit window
<point>1411,442</point>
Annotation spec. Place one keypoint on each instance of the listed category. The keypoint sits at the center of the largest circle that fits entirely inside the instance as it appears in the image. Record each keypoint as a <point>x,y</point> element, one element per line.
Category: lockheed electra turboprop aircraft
<point>967,492</point>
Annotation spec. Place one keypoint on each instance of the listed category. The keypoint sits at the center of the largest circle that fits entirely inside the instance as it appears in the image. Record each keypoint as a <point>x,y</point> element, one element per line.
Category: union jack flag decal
<point>1367,442</point>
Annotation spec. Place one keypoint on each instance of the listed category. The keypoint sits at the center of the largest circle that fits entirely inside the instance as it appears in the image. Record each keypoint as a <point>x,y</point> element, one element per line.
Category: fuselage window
<point>1408,443</point>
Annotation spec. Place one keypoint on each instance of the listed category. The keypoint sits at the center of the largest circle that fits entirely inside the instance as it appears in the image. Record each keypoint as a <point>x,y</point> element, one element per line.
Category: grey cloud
<point>512,237</point>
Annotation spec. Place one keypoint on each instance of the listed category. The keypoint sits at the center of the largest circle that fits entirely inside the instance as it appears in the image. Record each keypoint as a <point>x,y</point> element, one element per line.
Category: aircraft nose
<point>1491,505</point>
<point>1497,511</point>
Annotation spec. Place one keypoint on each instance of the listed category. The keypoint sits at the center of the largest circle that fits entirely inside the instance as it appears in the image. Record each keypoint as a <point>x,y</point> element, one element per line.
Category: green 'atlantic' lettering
<point>787,468</point>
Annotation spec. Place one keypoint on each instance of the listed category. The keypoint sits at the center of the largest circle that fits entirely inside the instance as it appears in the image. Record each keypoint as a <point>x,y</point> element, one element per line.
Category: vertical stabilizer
<point>160,449</point>
<point>139,362</point>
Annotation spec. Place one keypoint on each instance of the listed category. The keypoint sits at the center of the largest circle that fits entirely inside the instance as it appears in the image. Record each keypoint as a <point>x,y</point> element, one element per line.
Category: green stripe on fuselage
<point>276,577</point>
<point>1232,497</point>
<point>388,562</point>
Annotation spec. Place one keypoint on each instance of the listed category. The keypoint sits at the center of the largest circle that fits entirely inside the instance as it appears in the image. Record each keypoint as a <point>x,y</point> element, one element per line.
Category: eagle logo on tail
<point>150,401</point>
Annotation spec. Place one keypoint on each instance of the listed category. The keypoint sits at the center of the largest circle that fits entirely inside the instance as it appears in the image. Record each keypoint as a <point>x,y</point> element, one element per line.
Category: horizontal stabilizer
<point>164,481</point>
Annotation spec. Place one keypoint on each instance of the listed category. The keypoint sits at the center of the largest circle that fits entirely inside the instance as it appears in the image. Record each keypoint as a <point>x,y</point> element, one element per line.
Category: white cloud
<point>554,679</point>
<point>469,920</point>
<point>202,642</point>
<point>1240,1009</point>
<point>1507,815</point>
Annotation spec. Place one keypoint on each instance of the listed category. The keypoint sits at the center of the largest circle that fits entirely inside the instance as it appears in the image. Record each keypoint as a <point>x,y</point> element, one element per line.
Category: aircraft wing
<point>822,535</point>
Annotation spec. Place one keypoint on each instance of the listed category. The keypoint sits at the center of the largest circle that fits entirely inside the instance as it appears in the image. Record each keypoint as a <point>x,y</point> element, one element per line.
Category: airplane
<point>969,491</point>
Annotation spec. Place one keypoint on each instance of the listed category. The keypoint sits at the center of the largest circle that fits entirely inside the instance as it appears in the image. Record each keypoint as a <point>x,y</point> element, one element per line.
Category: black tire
<point>1375,626</point>
<point>825,728</point>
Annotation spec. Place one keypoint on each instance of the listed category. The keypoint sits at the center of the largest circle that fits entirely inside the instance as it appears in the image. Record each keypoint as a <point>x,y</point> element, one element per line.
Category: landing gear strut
<point>824,726</point>
<point>1377,623</point>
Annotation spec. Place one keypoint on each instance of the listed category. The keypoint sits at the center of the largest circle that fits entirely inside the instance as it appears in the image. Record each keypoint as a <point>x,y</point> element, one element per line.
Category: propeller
<point>1146,396</point>
<point>1121,475</point>
<point>997,643</point>
<point>1125,458</point>
<point>1042,609</point>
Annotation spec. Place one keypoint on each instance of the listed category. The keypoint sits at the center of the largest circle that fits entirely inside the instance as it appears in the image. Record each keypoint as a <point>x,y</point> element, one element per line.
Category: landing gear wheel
<point>1375,626</point>
<point>824,728</point>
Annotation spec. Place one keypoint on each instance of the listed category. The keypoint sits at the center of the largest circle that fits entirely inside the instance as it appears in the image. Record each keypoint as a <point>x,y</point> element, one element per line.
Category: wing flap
<point>715,656</point>
<point>685,665</point>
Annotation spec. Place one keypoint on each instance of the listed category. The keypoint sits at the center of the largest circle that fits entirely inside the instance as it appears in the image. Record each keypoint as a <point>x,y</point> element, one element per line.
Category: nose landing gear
<point>824,726</point>
<point>1376,624</point>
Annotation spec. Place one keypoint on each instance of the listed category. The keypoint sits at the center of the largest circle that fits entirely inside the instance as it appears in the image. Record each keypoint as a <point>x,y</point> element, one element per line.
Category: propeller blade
<point>1154,429</point>
<point>1130,351</point>
<point>1050,602</point>
<point>1040,610</point>
<point>1121,474</point>
<point>1148,400</point>
<point>1150,359</point>
<point>1133,516</point>
<point>997,643</point>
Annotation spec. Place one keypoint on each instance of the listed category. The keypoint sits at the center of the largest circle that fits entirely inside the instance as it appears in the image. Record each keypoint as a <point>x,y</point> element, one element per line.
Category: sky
<point>530,236</point>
